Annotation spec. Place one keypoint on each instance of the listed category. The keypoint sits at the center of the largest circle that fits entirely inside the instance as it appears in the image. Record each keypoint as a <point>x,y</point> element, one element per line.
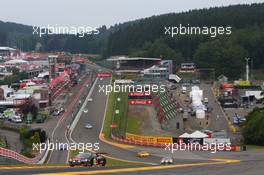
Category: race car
<point>166,161</point>
<point>100,160</point>
<point>87,159</point>
<point>143,154</point>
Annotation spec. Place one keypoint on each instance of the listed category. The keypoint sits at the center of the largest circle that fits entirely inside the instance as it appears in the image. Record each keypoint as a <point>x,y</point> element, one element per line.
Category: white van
<point>16,119</point>
<point>184,89</point>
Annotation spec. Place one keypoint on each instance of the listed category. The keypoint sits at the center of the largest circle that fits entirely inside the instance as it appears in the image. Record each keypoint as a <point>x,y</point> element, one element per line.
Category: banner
<point>140,102</point>
<point>104,75</point>
<point>138,94</point>
<point>148,139</point>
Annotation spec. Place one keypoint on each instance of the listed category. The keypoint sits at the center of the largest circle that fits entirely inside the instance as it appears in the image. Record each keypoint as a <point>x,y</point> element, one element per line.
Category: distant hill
<point>9,27</point>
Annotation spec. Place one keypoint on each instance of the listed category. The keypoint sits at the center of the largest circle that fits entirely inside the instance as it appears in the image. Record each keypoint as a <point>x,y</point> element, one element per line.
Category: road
<point>58,134</point>
<point>216,123</point>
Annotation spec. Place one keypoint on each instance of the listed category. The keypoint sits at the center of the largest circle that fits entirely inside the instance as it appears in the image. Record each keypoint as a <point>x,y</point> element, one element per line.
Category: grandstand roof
<point>131,59</point>
<point>16,61</point>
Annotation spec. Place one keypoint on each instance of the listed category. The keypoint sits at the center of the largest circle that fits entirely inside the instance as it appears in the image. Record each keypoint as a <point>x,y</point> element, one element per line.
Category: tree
<point>253,131</point>
<point>227,58</point>
<point>35,138</point>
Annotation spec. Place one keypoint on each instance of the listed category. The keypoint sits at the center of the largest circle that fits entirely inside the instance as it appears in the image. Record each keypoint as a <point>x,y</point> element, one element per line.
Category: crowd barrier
<point>14,155</point>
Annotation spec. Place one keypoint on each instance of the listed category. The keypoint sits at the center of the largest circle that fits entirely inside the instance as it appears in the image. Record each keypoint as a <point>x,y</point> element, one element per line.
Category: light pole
<point>247,69</point>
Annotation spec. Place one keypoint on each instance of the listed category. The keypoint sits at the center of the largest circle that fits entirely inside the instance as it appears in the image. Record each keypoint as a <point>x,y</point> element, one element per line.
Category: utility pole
<point>251,72</point>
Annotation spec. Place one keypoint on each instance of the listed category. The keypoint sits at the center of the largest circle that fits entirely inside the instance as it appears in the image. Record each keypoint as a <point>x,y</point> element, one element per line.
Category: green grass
<point>111,117</point>
<point>108,117</point>
<point>134,124</point>
<point>119,119</point>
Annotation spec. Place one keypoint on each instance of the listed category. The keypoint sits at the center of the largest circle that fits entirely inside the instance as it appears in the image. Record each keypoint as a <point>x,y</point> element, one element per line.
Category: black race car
<point>87,159</point>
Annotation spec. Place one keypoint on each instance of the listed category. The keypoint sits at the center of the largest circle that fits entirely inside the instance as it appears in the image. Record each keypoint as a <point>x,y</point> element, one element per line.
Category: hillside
<point>225,52</point>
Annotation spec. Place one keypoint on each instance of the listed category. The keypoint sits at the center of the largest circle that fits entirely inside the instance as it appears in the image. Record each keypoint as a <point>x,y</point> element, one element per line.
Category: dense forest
<point>146,38</point>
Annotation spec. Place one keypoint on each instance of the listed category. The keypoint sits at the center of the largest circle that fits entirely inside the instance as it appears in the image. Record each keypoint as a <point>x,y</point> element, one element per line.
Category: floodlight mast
<point>247,69</point>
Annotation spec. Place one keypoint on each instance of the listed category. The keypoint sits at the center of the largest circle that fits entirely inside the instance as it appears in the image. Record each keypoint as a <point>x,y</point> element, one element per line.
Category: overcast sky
<point>97,12</point>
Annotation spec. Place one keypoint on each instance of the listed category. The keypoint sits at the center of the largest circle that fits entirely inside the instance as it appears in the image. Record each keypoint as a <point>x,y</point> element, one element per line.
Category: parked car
<point>16,118</point>
<point>57,112</point>
<point>184,89</point>
<point>2,116</point>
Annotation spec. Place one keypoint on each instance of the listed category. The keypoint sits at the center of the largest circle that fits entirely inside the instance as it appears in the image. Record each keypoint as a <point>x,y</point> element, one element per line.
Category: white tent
<point>185,135</point>
<point>197,96</point>
<point>43,74</point>
<point>200,113</point>
<point>198,134</point>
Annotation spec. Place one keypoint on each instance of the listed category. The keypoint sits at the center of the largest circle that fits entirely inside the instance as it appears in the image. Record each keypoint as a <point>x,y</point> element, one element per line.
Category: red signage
<point>104,75</point>
<point>140,102</point>
<point>113,126</point>
<point>138,94</point>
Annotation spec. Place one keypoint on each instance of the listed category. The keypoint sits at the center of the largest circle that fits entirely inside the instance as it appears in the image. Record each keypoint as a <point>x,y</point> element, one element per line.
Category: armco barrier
<point>14,155</point>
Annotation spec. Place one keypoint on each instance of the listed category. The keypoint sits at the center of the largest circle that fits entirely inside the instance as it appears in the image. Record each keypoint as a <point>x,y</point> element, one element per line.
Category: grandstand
<point>125,65</point>
<point>166,108</point>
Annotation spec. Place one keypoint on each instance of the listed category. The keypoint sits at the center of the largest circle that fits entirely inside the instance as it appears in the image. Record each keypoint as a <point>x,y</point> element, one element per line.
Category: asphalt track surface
<point>212,168</point>
<point>59,134</point>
